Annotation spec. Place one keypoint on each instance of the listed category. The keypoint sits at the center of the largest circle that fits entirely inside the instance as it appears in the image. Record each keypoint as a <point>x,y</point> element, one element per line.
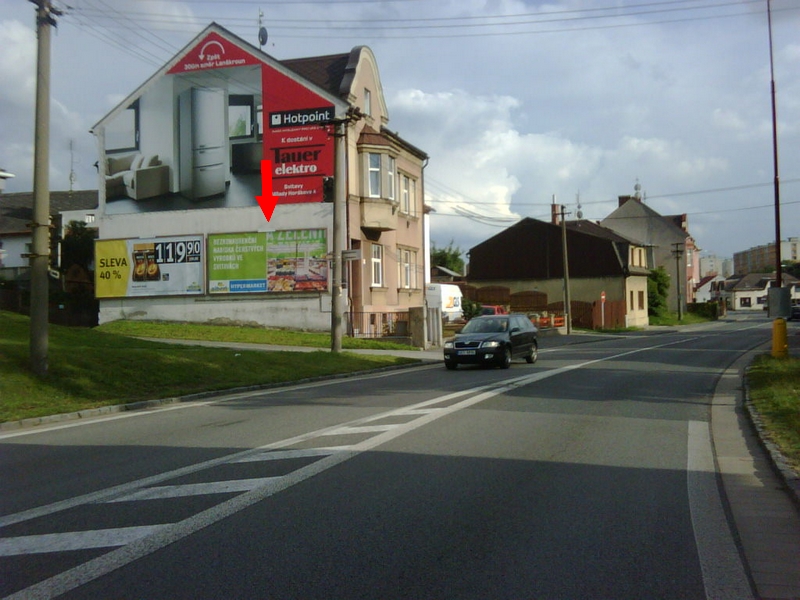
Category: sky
<point>517,103</point>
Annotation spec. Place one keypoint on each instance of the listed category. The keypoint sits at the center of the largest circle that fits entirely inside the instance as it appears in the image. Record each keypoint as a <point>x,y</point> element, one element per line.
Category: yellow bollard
<point>780,343</point>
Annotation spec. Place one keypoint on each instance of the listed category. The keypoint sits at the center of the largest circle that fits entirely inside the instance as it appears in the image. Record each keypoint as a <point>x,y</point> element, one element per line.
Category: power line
<point>373,25</point>
<point>447,22</point>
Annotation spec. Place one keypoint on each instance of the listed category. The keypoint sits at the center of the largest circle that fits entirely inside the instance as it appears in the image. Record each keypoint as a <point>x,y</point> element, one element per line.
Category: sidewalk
<point>763,494</point>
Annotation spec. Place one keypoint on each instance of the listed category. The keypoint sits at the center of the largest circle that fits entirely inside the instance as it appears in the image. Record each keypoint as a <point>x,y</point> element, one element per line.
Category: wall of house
<point>309,311</point>
<point>636,317</point>
<point>407,229</point>
<point>14,246</point>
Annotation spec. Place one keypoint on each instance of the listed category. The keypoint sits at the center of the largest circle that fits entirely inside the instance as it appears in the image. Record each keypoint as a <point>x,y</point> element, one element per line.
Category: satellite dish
<point>262,36</point>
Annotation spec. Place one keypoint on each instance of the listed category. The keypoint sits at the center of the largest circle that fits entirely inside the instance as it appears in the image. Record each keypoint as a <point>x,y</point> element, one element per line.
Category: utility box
<point>779,302</point>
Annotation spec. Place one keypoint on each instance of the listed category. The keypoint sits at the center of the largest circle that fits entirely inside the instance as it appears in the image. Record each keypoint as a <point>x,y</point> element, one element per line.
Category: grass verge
<point>89,368</point>
<point>249,335</point>
<point>775,393</point>
<point>671,319</point>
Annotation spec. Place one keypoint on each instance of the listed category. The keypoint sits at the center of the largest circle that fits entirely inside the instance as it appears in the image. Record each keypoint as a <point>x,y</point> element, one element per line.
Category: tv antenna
<point>262,31</point>
<point>72,176</point>
<point>579,213</point>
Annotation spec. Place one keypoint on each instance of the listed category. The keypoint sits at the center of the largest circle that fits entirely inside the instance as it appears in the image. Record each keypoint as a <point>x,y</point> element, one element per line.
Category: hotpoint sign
<point>293,118</point>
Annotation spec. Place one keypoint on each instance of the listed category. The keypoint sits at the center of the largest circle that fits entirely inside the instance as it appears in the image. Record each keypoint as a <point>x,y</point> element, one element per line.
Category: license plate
<point>466,352</point>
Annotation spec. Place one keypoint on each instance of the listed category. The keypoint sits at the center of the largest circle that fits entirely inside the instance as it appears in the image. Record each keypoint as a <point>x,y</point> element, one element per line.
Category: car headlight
<point>491,344</point>
<point>448,344</point>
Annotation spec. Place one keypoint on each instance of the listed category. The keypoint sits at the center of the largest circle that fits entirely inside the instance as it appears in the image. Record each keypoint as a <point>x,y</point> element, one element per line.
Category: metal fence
<point>378,325</point>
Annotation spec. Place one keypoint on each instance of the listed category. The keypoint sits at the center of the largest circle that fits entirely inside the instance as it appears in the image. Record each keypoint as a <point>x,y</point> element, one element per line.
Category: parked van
<point>446,297</point>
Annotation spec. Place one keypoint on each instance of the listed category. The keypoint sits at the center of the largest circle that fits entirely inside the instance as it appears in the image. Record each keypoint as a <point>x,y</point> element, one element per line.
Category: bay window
<point>374,175</point>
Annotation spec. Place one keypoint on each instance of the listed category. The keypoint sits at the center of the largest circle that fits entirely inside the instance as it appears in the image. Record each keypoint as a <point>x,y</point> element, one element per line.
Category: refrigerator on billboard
<point>203,142</point>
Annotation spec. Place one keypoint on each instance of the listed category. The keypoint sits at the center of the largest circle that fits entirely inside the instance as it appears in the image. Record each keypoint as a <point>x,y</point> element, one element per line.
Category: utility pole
<point>567,299</point>
<point>677,252</point>
<point>777,180</point>
<point>40,227</point>
<point>339,221</point>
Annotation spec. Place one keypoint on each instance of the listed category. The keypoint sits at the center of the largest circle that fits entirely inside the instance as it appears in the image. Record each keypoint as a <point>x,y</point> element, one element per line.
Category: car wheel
<point>506,360</point>
<point>451,365</point>
<point>534,355</point>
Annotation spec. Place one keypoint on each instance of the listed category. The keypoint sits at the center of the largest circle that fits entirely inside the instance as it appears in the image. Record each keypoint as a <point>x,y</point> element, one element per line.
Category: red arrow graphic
<point>266,200</point>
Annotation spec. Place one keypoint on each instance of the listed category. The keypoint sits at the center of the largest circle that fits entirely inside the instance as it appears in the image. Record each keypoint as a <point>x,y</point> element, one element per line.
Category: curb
<point>788,476</point>
<point>10,426</point>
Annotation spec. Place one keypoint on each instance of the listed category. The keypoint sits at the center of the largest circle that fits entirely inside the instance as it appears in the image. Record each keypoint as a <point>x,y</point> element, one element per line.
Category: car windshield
<point>486,326</point>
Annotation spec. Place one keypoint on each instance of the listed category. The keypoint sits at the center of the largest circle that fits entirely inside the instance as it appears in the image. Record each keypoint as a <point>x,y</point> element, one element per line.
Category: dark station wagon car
<point>493,340</point>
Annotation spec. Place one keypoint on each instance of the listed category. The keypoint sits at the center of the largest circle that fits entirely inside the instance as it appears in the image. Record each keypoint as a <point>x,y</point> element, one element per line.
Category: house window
<point>407,267</point>
<point>744,302</point>
<point>641,300</point>
<point>122,134</point>
<point>367,102</point>
<point>377,265</point>
<point>374,175</point>
<point>89,218</point>
<point>412,197</point>
<point>240,116</point>
<point>408,195</point>
<point>390,179</point>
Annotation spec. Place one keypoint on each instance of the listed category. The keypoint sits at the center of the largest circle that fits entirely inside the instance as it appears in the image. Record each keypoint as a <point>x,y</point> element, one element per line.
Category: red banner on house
<point>213,52</point>
<point>297,138</point>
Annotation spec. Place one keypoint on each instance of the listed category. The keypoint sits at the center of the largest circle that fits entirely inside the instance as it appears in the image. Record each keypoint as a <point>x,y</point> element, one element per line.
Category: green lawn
<point>89,368</point>
<point>250,335</point>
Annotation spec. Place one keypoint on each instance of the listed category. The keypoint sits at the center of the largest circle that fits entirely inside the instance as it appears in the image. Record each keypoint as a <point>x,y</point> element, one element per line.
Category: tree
<point>657,289</point>
<point>449,257</point>
<point>792,268</point>
<point>77,247</point>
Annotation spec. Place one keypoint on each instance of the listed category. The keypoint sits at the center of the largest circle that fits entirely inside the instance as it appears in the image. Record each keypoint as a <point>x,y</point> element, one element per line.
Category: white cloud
<point>508,121</point>
<point>17,65</point>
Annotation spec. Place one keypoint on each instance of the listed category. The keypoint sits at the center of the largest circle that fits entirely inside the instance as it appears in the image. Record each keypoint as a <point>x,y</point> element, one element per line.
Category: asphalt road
<point>589,474</point>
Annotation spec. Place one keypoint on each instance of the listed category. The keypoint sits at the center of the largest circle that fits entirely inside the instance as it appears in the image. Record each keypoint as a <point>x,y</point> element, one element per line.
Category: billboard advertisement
<point>149,267</point>
<point>299,142</point>
<point>279,261</point>
<point>229,110</point>
<point>297,261</point>
<point>237,263</point>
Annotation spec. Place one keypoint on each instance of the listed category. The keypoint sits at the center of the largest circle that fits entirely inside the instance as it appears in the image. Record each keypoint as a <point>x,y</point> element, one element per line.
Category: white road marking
<point>74,540</point>
<point>723,573</point>
<point>362,429</point>
<point>168,534</point>
<point>195,489</point>
<point>265,455</point>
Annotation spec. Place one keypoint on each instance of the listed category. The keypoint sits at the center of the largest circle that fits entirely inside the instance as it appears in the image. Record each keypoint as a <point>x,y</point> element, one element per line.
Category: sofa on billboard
<point>136,176</point>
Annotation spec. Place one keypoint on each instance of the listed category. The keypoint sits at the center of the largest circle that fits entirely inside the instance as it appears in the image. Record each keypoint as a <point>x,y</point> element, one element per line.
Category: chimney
<point>555,214</point>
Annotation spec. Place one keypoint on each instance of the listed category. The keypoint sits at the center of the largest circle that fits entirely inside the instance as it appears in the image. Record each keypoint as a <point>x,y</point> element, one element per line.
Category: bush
<point>707,310</point>
<point>470,308</point>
